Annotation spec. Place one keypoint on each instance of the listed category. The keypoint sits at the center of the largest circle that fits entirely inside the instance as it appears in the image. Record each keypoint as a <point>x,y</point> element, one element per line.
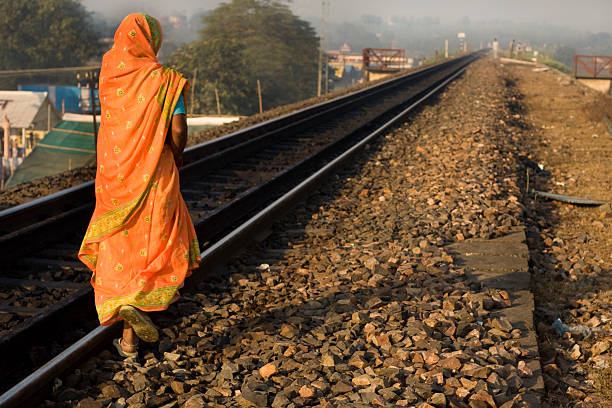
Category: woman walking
<point>140,243</point>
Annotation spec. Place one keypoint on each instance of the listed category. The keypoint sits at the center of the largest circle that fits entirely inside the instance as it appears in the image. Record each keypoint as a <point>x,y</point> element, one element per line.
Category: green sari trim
<point>154,298</point>
<point>194,252</point>
<point>156,35</point>
<point>116,218</point>
<point>92,259</point>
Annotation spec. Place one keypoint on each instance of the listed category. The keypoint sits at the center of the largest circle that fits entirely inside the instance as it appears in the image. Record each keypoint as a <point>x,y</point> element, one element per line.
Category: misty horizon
<point>591,16</point>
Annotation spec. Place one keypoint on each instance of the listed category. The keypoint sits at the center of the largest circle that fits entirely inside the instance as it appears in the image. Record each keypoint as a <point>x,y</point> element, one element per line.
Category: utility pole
<point>91,82</point>
<point>495,48</point>
<point>259,95</point>
<point>195,78</point>
<point>92,94</point>
<point>218,104</point>
<point>320,68</point>
<point>326,43</point>
<point>326,76</point>
<point>6,126</point>
<point>322,44</point>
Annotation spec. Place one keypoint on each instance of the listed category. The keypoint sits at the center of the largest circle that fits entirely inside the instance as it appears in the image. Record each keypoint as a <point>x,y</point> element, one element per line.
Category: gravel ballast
<point>354,299</point>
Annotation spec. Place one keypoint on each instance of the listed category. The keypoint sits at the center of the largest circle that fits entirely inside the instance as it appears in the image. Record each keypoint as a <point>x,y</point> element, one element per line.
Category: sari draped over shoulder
<point>140,243</point>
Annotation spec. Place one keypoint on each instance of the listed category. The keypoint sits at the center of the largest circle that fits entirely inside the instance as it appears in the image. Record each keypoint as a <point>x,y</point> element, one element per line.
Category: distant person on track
<point>495,48</point>
<point>140,243</point>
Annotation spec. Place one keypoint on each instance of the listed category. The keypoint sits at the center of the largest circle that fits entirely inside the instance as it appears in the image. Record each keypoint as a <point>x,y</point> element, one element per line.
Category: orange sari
<point>140,243</point>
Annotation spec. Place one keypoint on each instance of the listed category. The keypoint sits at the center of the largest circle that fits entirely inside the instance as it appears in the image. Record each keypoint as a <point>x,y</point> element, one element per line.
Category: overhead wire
<point>19,72</point>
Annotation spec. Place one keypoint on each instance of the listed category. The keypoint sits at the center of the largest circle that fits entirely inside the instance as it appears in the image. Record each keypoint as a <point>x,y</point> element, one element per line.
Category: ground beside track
<point>571,247</point>
<point>354,298</point>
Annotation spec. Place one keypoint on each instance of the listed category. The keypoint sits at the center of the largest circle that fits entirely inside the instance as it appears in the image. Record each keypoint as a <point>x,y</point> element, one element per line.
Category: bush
<point>558,66</point>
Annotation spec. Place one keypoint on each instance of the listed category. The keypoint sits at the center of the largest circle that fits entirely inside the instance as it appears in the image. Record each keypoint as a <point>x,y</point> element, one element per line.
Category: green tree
<point>45,33</point>
<point>244,41</point>
<point>565,55</point>
<point>217,68</point>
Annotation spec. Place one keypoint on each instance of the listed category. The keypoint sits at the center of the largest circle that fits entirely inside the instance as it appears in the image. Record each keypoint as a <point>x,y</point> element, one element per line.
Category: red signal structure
<point>384,59</point>
<point>593,66</point>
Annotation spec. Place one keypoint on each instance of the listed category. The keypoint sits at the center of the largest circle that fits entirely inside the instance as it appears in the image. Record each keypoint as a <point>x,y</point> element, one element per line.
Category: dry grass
<point>573,278</point>
<point>595,111</point>
<point>603,383</point>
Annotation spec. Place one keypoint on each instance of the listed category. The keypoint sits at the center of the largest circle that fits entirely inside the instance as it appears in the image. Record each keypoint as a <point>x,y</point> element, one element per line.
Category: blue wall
<point>71,95</point>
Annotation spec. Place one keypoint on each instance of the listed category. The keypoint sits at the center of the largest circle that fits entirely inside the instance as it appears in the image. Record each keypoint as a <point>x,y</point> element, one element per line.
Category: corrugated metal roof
<point>68,145</point>
<point>20,107</point>
<point>80,117</point>
<point>73,137</point>
<point>44,162</point>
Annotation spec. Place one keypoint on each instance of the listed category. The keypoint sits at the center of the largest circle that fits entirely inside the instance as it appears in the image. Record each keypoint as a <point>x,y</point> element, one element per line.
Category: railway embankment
<point>426,273</point>
<point>222,187</point>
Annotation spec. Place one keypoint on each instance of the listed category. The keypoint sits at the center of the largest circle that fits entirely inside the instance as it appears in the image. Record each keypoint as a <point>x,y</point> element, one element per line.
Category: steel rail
<point>32,71</point>
<point>218,253</point>
<point>26,390</point>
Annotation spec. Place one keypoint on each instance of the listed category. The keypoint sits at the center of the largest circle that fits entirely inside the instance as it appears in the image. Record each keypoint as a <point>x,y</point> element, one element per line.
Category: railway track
<point>234,186</point>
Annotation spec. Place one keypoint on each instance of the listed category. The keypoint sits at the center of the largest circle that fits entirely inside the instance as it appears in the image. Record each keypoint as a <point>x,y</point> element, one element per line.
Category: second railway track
<point>225,182</point>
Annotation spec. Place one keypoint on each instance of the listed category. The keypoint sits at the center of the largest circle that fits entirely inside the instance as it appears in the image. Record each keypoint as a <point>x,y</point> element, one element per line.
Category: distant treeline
<point>241,42</point>
<point>422,36</point>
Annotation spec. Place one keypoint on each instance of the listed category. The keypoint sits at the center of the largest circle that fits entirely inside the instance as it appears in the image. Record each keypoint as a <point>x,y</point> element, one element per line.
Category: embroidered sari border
<point>156,297</point>
<point>116,218</point>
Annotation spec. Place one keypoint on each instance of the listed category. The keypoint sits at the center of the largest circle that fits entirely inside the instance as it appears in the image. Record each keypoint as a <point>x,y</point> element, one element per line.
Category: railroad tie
<point>28,311</point>
<point>26,283</point>
<point>51,263</point>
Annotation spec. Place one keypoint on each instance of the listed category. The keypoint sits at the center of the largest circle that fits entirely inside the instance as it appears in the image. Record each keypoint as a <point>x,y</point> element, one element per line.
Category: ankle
<point>127,346</point>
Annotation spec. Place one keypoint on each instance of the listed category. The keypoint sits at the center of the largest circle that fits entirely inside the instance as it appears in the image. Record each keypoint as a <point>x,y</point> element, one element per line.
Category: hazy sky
<point>591,15</point>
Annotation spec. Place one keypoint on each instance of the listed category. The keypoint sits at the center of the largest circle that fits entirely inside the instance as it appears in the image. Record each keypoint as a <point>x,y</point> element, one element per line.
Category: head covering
<point>137,98</point>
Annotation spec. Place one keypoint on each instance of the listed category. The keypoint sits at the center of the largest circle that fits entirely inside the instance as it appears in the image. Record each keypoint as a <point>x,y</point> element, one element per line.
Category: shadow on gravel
<point>317,318</point>
<point>201,320</point>
<point>179,317</point>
